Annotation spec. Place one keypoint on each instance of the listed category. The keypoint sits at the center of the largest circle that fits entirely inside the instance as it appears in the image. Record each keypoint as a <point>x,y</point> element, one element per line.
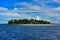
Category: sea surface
<point>19,32</point>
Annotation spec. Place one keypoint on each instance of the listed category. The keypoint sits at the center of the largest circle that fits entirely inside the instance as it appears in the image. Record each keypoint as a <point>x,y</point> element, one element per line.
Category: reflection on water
<point>15,32</point>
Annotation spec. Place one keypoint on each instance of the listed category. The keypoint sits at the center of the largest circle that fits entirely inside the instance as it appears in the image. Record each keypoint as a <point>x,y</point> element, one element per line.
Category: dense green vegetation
<point>26,21</point>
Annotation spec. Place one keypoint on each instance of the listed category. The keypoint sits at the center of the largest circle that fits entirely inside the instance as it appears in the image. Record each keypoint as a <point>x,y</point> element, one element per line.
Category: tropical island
<point>26,21</point>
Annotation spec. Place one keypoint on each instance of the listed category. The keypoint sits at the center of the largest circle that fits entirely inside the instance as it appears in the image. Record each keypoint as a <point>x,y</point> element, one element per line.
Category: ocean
<point>19,32</point>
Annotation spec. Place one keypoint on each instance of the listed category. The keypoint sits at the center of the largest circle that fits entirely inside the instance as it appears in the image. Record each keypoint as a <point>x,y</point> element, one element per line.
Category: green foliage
<point>10,22</point>
<point>26,21</point>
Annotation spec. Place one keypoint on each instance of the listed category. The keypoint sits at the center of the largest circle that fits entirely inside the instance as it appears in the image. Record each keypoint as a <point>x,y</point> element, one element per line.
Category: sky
<point>29,9</point>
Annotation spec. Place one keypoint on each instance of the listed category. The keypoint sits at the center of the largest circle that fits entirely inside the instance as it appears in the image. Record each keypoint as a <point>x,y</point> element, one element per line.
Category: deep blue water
<point>17,32</point>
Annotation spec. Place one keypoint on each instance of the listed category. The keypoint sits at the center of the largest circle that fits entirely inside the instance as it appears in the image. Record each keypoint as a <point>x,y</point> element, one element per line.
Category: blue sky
<point>29,9</point>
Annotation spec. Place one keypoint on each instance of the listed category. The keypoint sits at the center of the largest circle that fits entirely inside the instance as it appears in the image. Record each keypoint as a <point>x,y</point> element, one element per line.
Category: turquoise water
<point>17,32</point>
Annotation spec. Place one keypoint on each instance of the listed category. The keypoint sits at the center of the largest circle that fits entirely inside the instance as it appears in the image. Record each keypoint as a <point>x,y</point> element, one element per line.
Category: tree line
<point>26,21</point>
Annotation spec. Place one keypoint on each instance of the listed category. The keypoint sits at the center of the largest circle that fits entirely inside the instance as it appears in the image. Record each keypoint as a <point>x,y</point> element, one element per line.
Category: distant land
<point>26,21</point>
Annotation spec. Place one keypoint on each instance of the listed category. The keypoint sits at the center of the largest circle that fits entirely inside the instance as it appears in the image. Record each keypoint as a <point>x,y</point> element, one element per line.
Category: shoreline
<point>37,24</point>
<point>33,24</point>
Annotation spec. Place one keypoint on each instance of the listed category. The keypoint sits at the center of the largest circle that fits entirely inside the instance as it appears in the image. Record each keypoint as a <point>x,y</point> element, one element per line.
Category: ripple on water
<point>29,33</point>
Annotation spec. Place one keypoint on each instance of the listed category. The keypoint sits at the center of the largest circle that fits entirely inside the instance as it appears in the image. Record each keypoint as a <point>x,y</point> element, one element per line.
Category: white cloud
<point>13,13</point>
<point>57,1</point>
<point>32,8</point>
<point>50,12</point>
<point>10,14</point>
<point>37,18</point>
<point>46,1</point>
<point>57,9</point>
<point>35,8</point>
<point>42,3</point>
<point>26,16</point>
<point>29,7</point>
<point>2,8</point>
<point>6,12</point>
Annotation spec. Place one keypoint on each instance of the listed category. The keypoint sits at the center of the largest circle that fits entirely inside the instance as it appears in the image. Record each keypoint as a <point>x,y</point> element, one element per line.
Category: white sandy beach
<point>38,24</point>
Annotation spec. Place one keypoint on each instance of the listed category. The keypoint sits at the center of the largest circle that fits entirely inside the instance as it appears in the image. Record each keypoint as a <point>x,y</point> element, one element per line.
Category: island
<point>26,21</point>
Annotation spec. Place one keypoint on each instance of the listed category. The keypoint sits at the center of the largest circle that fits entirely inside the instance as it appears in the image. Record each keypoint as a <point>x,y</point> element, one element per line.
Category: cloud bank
<point>30,10</point>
